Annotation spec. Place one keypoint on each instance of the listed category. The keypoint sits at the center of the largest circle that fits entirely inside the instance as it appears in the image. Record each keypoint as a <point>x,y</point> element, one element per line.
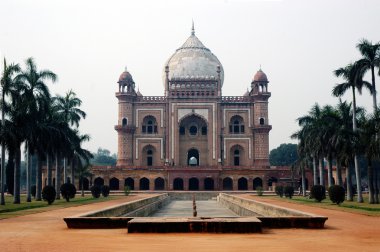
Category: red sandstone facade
<point>193,137</point>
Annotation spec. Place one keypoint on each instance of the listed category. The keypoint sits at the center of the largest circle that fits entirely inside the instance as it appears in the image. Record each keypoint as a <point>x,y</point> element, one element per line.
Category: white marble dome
<point>193,61</point>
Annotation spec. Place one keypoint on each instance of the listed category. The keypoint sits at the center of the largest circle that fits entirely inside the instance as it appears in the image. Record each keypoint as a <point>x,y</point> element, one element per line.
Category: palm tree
<point>37,97</point>
<point>7,82</point>
<point>311,125</point>
<point>370,60</point>
<point>370,146</point>
<point>344,142</point>
<point>68,107</point>
<point>353,80</point>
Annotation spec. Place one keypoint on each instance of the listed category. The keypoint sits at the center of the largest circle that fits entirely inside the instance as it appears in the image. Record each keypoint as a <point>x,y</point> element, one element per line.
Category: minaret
<point>259,93</point>
<point>126,126</point>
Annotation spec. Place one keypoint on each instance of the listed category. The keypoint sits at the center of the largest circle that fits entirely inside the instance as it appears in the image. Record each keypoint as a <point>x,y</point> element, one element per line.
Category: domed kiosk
<point>192,132</point>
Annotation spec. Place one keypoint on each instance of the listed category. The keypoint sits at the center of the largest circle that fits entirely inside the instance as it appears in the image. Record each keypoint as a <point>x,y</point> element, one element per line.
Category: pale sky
<point>88,43</point>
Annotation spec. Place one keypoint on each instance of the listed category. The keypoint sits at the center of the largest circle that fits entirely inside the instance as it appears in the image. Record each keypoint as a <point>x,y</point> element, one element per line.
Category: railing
<point>153,98</point>
<point>236,99</point>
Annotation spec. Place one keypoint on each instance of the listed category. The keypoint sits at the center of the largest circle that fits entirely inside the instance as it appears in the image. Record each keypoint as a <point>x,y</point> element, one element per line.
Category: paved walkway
<point>184,208</point>
<point>48,232</point>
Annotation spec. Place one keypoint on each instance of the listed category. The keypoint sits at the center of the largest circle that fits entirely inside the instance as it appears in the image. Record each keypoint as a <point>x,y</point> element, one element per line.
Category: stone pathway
<point>48,232</point>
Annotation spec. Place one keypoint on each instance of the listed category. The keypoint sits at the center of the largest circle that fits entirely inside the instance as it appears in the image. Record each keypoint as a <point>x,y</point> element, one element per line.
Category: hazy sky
<point>88,43</point>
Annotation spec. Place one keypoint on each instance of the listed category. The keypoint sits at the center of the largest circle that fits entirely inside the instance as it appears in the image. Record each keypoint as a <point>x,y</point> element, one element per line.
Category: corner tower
<point>261,126</point>
<point>126,126</point>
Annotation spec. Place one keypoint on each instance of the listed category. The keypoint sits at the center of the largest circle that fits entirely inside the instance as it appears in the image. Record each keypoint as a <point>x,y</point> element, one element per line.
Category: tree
<point>284,155</point>
<point>37,97</point>
<point>370,60</point>
<point>7,83</point>
<point>344,141</point>
<point>353,80</point>
<point>68,107</point>
<point>311,134</point>
<point>370,146</point>
<point>103,157</point>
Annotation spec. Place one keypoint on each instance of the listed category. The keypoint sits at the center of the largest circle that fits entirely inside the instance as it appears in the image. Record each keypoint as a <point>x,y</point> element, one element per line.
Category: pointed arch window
<point>237,125</point>
<point>149,157</point>
<point>149,125</point>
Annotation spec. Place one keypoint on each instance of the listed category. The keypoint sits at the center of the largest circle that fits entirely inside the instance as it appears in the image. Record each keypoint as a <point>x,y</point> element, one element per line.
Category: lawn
<point>13,210</point>
<point>347,206</point>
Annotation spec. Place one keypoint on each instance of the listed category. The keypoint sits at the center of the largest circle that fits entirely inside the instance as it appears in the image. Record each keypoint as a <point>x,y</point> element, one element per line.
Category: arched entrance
<point>159,184</point>
<point>227,184</point>
<point>83,182</point>
<point>193,140</point>
<point>257,182</point>
<point>99,181</point>
<point>114,184</point>
<point>209,184</point>
<point>193,157</point>
<point>193,184</point>
<point>178,184</point>
<point>144,184</point>
<point>130,183</point>
<point>242,184</point>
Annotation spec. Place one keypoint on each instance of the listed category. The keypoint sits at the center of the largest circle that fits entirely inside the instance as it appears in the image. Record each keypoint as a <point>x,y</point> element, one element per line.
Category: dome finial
<point>125,69</point>
<point>192,28</point>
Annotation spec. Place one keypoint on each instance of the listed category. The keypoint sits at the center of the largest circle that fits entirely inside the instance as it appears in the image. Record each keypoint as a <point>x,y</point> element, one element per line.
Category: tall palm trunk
<point>57,177</point>
<point>376,183</point>
<point>17,172</point>
<point>39,178</point>
<point>64,171</point>
<point>315,175</point>
<point>357,169</point>
<point>48,167</point>
<point>321,172</point>
<point>329,172</point>
<point>28,175</point>
<point>370,182</point>
<point>339,172</point>
<point>303,181</point>
<point>73,171</point>
<point>2,173</point>
<point>350,196</point>
<point>373,88</point>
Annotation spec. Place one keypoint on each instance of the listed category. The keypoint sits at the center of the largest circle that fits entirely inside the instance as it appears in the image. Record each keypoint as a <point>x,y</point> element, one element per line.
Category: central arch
<point>209,184</point>
<point>159,184</point>
<point>193,140</point>
<point>227,184</point>
<point>193,184</point>
<point>193,157</point>
<point>178,184</point>
<point>144,184</point>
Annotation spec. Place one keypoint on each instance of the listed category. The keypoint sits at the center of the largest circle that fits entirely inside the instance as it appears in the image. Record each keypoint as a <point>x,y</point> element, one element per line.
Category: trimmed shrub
<point>127,190</point>
<point>48,194</point>
<point>336,194</point>
<point>318,193</point>
<point>280,191</point>
<point>105,190</point>
<point>33,190</point>
<point>68,191</point>
<point>289,191</point>
<point>95,191</point>
<point>259,191</point>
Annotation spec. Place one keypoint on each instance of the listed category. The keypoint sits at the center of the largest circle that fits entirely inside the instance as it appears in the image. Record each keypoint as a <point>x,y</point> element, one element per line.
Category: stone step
<point>194,225</point>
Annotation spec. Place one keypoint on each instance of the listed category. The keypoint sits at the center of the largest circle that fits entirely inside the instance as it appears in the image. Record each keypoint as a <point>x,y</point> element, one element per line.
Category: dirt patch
<point>48,232</point>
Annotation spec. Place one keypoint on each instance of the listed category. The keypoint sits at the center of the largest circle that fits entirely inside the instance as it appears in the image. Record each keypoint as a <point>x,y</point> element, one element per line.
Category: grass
<point>347,206</point>
<point>12,210</point>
